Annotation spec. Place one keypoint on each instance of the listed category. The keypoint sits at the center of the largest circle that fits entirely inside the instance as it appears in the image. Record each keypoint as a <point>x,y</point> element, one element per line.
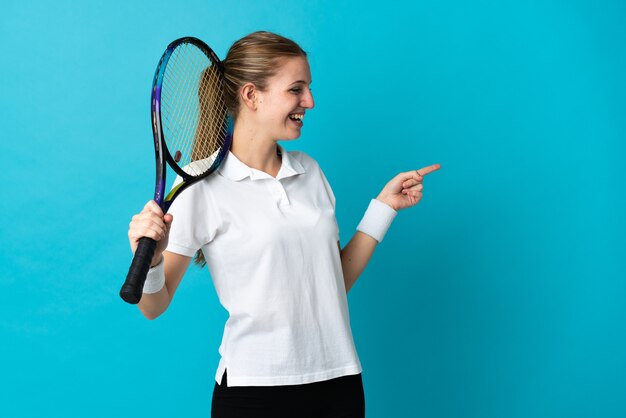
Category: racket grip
<point>132,289</point>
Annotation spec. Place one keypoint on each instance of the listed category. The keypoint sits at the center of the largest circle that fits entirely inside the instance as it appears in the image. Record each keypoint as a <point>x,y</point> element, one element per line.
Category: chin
<point>291,137</point>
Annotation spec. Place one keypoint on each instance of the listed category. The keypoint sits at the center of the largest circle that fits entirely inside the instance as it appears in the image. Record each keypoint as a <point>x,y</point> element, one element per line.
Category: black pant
<point>342,397</point>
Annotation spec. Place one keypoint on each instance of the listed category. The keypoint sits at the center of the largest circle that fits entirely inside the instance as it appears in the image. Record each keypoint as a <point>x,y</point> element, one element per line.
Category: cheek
<point>277,108</point>
<point>271,106</point>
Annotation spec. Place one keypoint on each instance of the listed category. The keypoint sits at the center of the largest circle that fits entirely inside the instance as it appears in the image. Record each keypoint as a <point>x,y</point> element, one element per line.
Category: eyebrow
<point>301,82</point>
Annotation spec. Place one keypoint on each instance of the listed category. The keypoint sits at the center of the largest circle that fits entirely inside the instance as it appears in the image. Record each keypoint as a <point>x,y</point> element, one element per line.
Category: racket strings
<point>184,112</point>
<point>193,111</point>
<point>177,106</point>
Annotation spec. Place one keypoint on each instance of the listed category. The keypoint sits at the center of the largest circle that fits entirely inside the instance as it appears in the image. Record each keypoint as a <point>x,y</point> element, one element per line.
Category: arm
<point>403,191</point>
<point>355,256</point>
<point>153,224</point>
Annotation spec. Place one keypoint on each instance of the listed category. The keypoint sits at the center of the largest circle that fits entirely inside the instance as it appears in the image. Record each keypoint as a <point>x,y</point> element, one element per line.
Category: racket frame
<point>162,153</point>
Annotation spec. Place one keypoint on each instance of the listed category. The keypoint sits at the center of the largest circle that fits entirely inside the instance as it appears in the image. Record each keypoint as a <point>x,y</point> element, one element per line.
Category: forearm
<point>152,305</point>
<point>370,231</point>
<point>355,256</point>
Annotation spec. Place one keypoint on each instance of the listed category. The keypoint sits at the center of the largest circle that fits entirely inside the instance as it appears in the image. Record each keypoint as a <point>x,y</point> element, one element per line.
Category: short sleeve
<point>331,197</point>
<point>195,220</point>
<point>329,189</point>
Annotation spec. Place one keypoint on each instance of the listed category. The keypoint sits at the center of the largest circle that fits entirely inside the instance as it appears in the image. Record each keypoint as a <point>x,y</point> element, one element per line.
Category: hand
<point>405,189</point>
<point>151,223</point>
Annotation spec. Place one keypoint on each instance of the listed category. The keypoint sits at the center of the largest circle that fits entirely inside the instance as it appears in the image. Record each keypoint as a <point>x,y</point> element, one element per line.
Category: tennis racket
<point>192,133</point>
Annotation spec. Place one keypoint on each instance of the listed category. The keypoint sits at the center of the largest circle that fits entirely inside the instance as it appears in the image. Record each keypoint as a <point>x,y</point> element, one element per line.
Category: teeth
<point>297,116</point>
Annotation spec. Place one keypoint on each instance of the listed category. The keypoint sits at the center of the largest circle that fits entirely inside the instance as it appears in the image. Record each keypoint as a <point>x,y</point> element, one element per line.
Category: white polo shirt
<point>271,248</point>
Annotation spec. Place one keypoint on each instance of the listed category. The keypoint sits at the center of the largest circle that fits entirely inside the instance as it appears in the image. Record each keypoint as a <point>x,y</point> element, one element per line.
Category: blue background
<point>502,294</point>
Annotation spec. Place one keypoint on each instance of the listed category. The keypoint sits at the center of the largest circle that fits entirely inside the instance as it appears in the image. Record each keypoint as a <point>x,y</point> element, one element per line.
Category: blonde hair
<point>255,58</point>
<point>212,117</point>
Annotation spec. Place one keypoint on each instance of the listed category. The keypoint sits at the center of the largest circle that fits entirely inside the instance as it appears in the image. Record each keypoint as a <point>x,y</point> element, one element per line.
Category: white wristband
<point>377,219</point>
<point>155,280</point>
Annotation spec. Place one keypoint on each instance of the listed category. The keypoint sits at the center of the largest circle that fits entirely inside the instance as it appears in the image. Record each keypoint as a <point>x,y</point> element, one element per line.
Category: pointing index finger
<point>427,170</point>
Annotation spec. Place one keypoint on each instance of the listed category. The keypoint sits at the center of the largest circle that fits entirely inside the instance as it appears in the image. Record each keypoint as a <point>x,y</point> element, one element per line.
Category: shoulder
<point>197,198</point>
<point>308,162</point>
<point>315,174</point>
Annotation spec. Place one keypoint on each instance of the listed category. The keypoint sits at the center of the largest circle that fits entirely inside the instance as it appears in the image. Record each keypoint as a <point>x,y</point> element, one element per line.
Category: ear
<point>248,96</point>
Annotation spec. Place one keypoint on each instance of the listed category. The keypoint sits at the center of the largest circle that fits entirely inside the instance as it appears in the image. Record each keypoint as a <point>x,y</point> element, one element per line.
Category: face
<point>282,105</point>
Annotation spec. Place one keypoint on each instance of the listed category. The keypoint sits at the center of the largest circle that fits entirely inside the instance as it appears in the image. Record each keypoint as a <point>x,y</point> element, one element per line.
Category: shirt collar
<point>234,169</point>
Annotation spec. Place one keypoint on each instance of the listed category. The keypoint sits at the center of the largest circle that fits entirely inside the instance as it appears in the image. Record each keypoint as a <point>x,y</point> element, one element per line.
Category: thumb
<point>167,218</point>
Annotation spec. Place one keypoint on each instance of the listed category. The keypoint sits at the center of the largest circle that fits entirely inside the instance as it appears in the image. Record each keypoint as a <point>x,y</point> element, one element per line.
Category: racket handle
<point>132,289</point>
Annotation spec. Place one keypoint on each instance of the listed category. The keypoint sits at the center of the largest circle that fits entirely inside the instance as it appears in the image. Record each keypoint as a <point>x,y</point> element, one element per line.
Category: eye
<point>296,90</point>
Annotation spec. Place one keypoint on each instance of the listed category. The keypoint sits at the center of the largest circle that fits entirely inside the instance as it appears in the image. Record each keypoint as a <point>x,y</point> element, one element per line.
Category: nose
<point>307,100</point>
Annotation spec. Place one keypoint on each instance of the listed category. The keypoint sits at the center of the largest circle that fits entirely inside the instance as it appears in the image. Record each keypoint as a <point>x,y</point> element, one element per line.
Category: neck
<point>254,150</point>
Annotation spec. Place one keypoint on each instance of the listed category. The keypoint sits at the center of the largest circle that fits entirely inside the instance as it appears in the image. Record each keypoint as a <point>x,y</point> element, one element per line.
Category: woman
<point>265,223</point>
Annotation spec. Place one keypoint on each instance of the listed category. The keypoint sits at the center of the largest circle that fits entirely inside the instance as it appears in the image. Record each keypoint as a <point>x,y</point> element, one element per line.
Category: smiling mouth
<point>298,117</point>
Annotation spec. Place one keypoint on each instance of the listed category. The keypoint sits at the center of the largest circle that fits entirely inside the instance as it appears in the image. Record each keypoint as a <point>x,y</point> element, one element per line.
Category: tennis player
<point>265,225</point>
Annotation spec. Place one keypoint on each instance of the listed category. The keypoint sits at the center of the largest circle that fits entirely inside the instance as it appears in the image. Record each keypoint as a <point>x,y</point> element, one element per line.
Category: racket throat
<point>167,202</point>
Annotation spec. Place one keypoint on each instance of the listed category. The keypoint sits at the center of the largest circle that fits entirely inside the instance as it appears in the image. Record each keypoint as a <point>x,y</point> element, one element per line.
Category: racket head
<point>191,125</point>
